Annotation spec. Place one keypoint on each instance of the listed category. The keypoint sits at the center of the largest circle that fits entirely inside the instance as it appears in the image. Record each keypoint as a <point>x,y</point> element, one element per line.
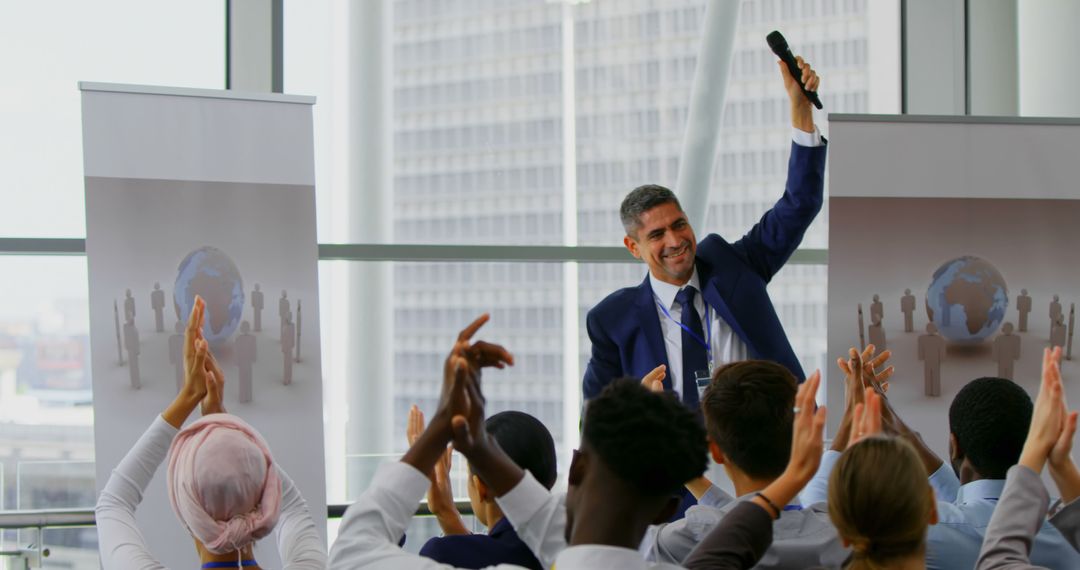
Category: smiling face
<point>665,241</point>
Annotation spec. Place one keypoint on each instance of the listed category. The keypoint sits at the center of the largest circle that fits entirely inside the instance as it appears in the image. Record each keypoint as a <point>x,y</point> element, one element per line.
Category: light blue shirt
<point>963,514</point>
<point>955,541</point>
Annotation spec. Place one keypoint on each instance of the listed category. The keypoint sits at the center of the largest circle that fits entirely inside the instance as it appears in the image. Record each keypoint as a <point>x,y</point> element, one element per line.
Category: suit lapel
<point>711,291</point>
<point>650,326</point>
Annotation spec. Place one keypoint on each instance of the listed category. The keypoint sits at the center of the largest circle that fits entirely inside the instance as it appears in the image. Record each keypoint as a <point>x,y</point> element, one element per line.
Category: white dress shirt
<point>724,345</point>
<point>121,545</point>
<point>373,525</point>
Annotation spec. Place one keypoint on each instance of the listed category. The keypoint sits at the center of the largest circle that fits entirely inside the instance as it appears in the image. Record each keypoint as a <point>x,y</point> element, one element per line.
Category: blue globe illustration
<point>967,299</point>
<point>211,274</point>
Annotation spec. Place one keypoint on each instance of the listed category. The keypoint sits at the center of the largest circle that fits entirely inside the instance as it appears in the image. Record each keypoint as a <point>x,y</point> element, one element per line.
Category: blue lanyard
<point>793,508</point>
<point>707,341</point>
<point>229,564</point>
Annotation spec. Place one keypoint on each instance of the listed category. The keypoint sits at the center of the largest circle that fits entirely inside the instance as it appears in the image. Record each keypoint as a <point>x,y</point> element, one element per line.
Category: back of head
<point>528,443</point>
<point>641,200</point>
<point>748,413</point>
<point>880,501</point>
<point>990,419</point>
<point>223,484</point>
<point>649,440</point>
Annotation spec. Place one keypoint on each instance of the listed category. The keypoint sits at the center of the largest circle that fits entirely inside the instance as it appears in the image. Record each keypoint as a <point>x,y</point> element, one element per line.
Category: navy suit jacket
<point>625,330</point>
<point>502,546</point>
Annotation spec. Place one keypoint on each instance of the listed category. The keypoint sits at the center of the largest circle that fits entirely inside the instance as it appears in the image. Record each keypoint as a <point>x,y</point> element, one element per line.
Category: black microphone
<point>779,46</point>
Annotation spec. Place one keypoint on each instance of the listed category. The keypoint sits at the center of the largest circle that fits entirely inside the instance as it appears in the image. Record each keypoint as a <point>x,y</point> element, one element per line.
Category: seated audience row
<point>878,498</point>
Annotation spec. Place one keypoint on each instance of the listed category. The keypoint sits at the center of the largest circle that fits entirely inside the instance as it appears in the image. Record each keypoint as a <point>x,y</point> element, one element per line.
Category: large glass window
<point>49,47</point>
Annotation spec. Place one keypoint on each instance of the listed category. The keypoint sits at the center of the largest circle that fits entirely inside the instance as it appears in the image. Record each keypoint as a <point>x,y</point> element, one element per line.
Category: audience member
<point>748,418</point>
<point>530,445</point>
<point>1021,511</point>
<point>223,483</point>
<point>987,420</point>
<point>743,536</point>
<point>615,490</point>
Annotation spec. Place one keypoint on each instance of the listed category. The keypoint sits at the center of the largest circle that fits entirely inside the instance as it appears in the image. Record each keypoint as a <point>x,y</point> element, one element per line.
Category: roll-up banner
<point>953,243</point>
<point>211,193</point>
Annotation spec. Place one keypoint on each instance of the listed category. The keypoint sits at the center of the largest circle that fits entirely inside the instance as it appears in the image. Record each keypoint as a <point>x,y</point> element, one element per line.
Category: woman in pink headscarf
<point>223,483</point>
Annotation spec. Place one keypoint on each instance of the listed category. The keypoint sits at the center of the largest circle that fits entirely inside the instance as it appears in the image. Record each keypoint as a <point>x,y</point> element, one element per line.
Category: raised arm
<point>1023,503</point>
<point>373,525</point>
<point>769,244</point>
<point>121,543</point>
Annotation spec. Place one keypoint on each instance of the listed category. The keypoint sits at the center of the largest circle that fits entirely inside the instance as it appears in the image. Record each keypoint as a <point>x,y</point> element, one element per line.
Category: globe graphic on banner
<point>211,274</point>
<point>967,299</point>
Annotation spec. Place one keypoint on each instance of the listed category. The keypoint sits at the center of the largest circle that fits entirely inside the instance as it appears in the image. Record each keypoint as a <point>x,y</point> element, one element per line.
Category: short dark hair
<point>748,413</point>
<point>641,200</point>
<point>528,443</point>
<point>648,439</point>
<point>990,419</point>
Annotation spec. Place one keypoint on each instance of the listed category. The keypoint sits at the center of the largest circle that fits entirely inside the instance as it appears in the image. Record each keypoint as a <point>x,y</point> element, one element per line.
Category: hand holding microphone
<point>808,84</point>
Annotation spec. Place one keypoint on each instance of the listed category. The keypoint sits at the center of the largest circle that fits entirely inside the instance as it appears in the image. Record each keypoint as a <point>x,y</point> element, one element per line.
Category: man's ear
<point>632,245</point>
<point>716,452</point>
<point>578,466</point>
<point>955,453</point>
<point>669,510</point>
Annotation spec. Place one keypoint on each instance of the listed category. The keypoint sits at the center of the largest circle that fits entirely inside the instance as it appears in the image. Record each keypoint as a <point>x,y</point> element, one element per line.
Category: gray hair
<point>641,200</point>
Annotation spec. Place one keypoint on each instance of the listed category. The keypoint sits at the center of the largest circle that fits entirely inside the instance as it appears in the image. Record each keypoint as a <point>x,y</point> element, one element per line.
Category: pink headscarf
<point>223,484</point>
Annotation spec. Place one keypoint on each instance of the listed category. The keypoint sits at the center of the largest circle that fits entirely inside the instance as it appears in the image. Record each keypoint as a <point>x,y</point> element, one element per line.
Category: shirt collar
<point>500,527</point>
<point>599,556</point>
<point>665,292</point>
<point>983,489</point>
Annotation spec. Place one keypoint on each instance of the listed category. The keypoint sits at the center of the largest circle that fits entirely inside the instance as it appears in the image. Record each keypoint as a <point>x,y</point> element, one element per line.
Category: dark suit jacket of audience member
<point>501,546</point>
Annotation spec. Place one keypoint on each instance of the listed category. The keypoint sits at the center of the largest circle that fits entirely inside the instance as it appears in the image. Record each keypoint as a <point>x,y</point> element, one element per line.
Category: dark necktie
<point>695,356</point>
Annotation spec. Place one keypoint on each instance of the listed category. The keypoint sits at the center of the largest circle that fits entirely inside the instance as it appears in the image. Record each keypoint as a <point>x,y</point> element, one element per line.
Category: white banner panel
<point>966,223</point>
<point>210,193</point>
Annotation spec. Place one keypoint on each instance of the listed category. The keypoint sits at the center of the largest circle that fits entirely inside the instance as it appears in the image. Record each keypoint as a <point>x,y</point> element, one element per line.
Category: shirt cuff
<point>945,483</point>
<point>405,482</point>
<point>803,138</point>
<point>522,502</point>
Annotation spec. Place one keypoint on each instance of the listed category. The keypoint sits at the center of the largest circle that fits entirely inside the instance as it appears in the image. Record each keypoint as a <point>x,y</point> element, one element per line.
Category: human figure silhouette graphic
<point>288,342</point>
<point>245,359</point>
<point>907,305</point>
<point>157,302</point>
<point>877,334</point>
<point>862,334</point>
<point>176,353</point>
<point>129,306</point>
<point>131,343</point>
<point>877,309</point>
<point>1006,351</point>
<point>932,352</point>
<point>257,306</point>
<point>1023,306</point>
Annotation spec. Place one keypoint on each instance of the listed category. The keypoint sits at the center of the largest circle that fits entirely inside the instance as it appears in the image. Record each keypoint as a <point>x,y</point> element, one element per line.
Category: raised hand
<point>1048,419</point>
<point>414,426</point>
<point>461,405</point>
<point>866,420</point>
<point>806,446</point>
<point>807,441</point>
<point>654,380</point>
<point>196,385</point>
<point>214,401</point>
<point>802,116</point>
<point>195,351</point>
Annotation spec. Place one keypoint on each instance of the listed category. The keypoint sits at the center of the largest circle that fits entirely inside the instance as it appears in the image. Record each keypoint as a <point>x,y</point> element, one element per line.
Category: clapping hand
<point>440,494</point>
<point>807,444</point>
<point>1052,425</point>
<point>654,380</point>
<point>866,418</point>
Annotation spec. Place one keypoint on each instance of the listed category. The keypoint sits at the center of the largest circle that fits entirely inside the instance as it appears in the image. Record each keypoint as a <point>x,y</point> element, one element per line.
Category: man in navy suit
<point>635,331</point>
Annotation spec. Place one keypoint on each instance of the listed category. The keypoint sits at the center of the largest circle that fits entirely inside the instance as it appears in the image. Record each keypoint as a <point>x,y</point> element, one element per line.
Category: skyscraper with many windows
<point>479,159</point>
